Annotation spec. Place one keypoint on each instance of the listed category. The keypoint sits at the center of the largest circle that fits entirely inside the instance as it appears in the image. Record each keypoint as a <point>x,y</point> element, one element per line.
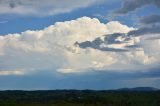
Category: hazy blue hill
<point>139,89</point>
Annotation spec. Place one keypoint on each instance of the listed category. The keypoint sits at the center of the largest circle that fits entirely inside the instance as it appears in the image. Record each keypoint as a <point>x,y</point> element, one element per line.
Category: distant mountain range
<point>68,90</point>
<point>139,89</point>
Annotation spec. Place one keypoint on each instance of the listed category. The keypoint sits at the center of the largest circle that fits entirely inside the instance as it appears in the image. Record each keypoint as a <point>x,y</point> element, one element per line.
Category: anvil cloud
<point>57,48</point>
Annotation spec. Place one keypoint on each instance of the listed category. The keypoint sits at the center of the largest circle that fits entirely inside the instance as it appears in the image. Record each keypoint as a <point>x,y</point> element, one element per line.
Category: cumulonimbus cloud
<point>55,48</point>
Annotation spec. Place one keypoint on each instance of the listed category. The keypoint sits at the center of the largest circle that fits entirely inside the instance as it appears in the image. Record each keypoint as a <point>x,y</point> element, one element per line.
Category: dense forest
<point>79,98</point>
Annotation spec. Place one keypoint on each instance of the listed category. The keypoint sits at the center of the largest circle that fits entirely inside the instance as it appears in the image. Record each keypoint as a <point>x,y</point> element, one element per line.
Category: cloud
<point>12,72</point>
<point>150,23</point>
<point>132,5</point>
<point>152,19</point>
<point>102,44</point>
<point>43,8</point>
<point>154,38</point>
<point>54,48</point>
<point>146,31</point>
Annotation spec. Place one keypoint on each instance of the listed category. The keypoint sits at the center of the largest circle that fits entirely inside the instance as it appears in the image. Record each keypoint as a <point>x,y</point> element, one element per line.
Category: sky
<point>79,44</point>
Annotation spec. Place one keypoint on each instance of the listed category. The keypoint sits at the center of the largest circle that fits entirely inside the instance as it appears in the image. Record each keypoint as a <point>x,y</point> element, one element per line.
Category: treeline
<point>79,98</point>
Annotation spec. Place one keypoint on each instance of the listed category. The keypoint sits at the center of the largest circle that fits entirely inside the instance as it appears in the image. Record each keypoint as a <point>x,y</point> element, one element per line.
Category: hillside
<point>79,98</point>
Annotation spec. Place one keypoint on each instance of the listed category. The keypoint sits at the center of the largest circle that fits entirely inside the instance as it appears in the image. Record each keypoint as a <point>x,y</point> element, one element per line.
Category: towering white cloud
<point>54,48</point>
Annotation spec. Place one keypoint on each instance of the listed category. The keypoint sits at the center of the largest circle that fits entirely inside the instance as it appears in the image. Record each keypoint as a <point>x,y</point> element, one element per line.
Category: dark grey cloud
<point>132,5</point>
<point>113,49</point>
<point>153,38</point>
<point>152,19</point>
<point>12,5</point>
<point>154,29</point>
<point>133,46</point>
<point>112,39</point>
<point>108,39</point>
<point>92,44</point>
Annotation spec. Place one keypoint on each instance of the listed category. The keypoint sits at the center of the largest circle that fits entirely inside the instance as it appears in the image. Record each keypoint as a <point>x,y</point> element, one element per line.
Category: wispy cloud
<point>12,72</point>
<point>43,8</point>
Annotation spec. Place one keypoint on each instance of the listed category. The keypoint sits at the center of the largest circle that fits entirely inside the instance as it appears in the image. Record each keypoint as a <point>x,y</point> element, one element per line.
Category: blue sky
<point>99,44</point>
<point>24,23</point>
<point>29,22</point>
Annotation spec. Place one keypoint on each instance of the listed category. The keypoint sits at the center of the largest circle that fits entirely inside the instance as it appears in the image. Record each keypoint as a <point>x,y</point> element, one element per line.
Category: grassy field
<point>79,98</point>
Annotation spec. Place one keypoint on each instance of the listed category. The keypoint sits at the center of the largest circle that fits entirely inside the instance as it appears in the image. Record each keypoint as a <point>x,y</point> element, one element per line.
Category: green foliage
<point>79,98</point>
